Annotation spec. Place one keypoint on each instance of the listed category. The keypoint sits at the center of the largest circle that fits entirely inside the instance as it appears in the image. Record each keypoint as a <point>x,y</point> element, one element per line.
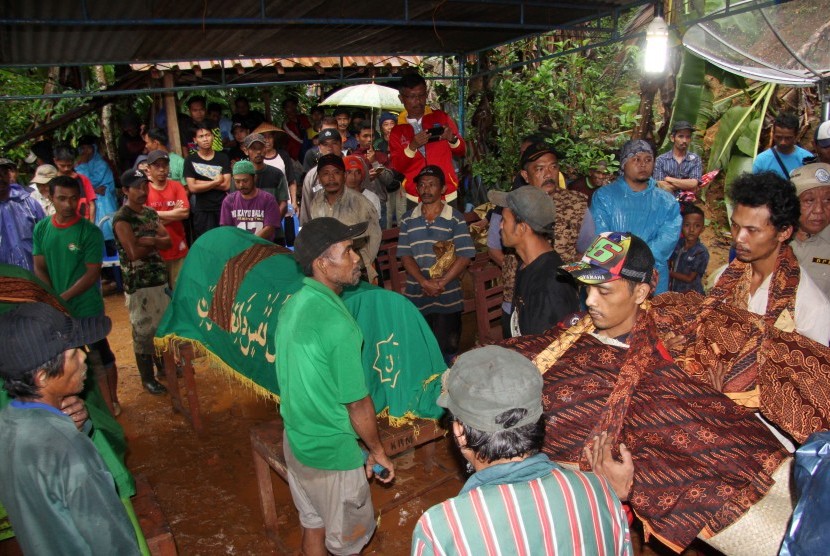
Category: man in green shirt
<point>68,251</point>
<point>325,404</point>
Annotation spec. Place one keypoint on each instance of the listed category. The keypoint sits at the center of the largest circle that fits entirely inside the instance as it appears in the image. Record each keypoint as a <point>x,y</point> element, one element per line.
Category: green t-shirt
<point>319,369</point>
<point>67,250</point>
<point>176,167</point>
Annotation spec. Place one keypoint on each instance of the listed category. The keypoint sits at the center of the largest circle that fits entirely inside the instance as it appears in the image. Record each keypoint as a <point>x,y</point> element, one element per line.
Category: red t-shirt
<point>165,200</point>
<point>88,195</point>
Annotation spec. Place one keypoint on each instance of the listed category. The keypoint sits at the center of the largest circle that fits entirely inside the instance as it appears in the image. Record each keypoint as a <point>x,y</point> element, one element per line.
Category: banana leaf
<point>731,126</point>
<point>690,87</point>
<point>738,164</point>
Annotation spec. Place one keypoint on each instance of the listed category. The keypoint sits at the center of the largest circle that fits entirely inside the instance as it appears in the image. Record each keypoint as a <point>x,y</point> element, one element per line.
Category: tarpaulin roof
<point>87,32</point>
<point>782,43</point>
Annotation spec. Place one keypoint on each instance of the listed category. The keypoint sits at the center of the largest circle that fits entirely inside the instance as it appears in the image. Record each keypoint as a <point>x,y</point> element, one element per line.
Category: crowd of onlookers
<point>350,176</point>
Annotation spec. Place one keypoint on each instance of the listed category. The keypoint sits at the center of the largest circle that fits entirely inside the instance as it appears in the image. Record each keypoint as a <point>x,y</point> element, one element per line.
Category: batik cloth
<point>700,460</point>
<point>757,360</point>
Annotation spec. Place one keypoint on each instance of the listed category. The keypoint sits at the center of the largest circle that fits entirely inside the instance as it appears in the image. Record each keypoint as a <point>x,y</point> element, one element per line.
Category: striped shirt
<point>691,167</point>
<point>417,238</point>
<point>561,512</point>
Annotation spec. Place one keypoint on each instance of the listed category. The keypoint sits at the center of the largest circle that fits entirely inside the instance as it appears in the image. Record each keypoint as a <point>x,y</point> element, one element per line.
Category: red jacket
<point>439,153</point>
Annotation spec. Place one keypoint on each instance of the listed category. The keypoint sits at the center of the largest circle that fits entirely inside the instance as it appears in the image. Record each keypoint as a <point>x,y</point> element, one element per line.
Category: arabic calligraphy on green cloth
<point>227,301</point>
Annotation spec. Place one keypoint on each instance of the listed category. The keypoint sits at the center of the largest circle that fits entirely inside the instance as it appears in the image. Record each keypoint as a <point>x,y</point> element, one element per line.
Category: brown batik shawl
<point>783,374</point>
<point>700,460</point>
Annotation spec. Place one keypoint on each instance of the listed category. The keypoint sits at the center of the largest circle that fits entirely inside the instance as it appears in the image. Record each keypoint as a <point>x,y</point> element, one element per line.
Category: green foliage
<point>691,93</point>
<point>739,130</point>
<point>19,117</point>
<point>573,99</point>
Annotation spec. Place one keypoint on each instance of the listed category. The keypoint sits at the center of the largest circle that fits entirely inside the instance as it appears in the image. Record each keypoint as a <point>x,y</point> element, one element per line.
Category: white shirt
<point>372,196</point>
<point>812,309</point>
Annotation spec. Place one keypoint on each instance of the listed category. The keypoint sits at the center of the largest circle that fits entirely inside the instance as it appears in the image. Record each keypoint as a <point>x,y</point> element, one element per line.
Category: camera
<point>435,133</point>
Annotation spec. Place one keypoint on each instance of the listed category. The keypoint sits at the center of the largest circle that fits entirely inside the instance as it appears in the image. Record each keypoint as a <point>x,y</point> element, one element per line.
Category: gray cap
<point>156,155</point>
<point>486,382</point>
<point>810,176</point>
<point>532,205</point>
<point>44,174</point>
<point>253,138</point>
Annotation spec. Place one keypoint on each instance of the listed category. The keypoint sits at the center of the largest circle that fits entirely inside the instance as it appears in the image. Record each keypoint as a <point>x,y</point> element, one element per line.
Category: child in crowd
<point>690,258</point>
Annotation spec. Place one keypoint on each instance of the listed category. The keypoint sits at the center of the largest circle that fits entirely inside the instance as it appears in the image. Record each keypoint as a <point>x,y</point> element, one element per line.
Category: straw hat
<point>266,127</point>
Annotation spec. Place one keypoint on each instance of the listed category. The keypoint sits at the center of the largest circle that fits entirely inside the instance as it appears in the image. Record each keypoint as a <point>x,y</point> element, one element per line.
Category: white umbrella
<point>368,95</point>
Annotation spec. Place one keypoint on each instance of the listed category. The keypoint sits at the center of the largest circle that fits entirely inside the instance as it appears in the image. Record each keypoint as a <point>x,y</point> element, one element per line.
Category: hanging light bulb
<point>657,46</point>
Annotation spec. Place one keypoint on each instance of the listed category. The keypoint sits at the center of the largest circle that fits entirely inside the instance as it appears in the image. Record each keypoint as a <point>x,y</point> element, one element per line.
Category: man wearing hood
<point>19,213</point>
<point>91,164</point>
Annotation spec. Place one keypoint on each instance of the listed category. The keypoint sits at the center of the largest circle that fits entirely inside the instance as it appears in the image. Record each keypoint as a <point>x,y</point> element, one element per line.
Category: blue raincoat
<point>18,216</point>
<point>653,215</point>
<point>99,173</point>
<point>809,532</point>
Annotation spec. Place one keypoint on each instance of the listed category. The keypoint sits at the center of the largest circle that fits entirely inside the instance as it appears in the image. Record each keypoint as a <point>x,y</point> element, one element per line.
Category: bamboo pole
<point>172,113</point>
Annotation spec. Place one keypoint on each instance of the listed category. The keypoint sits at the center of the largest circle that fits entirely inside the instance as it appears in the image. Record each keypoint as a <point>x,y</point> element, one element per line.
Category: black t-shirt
<point>273,181</point>
<point>544,295</point>
<point>197,167</point>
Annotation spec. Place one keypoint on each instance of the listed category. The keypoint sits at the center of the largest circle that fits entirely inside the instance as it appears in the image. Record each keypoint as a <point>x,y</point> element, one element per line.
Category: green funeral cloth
<point>227,301</point>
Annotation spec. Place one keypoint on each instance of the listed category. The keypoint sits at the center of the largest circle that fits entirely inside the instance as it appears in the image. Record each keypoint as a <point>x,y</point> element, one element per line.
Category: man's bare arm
<point>87,280</point>
<point>365,423</point>
<point>41,271</point>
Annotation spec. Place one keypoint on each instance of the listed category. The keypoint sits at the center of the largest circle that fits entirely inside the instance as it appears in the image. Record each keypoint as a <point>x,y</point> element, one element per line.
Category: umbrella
<point>368,95</point>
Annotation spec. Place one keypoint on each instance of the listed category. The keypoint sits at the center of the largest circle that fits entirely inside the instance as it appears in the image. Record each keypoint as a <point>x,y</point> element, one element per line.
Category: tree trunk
<point>105,115</point>
<point>48,104</point>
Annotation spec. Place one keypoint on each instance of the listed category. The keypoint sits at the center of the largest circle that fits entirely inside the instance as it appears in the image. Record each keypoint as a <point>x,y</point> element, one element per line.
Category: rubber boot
<point>145,369</point>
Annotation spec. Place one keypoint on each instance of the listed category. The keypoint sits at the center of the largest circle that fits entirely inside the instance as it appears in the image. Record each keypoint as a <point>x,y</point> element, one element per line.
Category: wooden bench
<point>153,523</point>
<point>488,296</point>
<point>266,446</point>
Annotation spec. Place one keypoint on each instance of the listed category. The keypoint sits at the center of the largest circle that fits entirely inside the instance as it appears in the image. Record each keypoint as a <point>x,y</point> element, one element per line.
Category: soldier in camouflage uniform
<point>139,235</point>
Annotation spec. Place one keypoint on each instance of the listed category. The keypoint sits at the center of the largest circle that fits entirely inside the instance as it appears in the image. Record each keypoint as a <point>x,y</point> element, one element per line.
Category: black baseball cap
<point>34,333</point>
<point>681,125</point>
<point>157,155</point>
<point>318,235</point>
<point>535,152</point>
<point>133,178</point>
<point>431,170</point>
<point>329,134</point>
<point>331,160</point>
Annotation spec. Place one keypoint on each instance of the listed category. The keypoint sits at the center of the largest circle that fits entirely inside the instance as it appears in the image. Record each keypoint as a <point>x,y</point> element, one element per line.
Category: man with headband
<point>634,203</point>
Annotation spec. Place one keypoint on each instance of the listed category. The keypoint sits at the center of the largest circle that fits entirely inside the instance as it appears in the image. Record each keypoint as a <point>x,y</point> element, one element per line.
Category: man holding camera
<point>423,137</point>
